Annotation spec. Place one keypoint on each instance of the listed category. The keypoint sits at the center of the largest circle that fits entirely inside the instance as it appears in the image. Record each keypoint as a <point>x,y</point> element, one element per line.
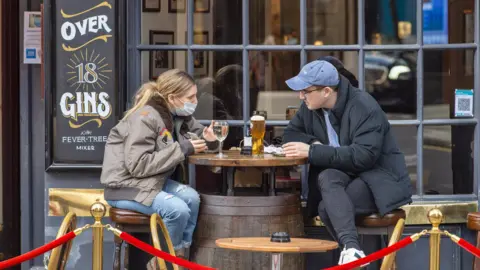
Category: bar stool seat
<point>473,223</point>
<point>130,222</point>
<point>377,221</point>
<point>123,216</point>
<point>384,226</point>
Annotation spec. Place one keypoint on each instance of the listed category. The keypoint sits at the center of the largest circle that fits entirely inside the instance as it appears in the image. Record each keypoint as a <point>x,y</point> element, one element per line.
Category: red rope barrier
<point>38,251</point>
<point>376,255</point>
<point>469,247</point>
<point>464,244</point>
<point>158,253</point>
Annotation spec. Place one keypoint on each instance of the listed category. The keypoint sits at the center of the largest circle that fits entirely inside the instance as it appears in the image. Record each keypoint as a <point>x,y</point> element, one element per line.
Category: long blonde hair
<point>171,82</point>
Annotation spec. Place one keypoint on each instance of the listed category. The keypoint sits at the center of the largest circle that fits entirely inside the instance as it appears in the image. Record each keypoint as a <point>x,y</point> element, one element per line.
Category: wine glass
<point>220,129</point>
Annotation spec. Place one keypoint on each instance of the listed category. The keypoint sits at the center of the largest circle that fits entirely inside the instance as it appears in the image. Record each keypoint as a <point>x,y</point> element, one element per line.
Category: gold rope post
<point>435,217</point>
<point>97,210</point>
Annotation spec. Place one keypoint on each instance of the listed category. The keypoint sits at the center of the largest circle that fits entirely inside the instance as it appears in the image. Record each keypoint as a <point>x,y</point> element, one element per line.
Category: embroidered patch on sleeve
<point>165,135</point>
<point>144,113</point>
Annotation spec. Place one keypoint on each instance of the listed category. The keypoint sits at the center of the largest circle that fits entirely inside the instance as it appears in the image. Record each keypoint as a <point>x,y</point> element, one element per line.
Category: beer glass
<point>220,129</point>
<point>257,130</point>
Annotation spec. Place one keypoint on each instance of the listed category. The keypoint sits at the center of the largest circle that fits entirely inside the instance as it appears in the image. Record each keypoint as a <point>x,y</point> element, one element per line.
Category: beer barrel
<point>245,216</point>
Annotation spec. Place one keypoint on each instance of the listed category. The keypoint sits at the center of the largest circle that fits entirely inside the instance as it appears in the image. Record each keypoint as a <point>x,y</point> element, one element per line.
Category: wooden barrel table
<point>246,216</point>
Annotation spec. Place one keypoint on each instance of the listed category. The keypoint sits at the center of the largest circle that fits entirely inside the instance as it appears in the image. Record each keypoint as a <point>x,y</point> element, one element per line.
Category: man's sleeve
<point>295,131</point>
<point>367,130</point>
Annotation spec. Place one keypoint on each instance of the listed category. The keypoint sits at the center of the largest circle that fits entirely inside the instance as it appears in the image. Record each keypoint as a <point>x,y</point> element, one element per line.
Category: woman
<point>144,149</point>
<point>341,69</point>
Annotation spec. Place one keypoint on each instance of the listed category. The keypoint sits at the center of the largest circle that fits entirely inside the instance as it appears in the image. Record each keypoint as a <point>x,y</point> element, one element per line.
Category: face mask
<point>188,109</point>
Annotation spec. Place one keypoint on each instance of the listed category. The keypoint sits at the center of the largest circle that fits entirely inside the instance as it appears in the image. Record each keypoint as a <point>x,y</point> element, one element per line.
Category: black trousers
<point>342,199</point>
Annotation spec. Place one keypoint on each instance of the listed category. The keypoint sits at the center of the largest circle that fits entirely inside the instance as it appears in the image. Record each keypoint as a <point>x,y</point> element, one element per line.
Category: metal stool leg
<point>126,258</point>
<point>118,253</point>
<point>476,262</point>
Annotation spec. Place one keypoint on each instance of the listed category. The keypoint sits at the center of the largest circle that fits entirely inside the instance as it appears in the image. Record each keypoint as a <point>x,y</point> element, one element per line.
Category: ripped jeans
<point>178,206</point>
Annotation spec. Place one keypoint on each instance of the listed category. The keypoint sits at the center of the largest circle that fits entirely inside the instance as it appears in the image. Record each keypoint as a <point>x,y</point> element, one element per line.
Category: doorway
<point>9,130</point>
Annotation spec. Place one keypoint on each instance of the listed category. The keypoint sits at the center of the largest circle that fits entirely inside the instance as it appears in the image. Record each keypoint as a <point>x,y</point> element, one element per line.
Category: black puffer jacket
<point>367,148</point>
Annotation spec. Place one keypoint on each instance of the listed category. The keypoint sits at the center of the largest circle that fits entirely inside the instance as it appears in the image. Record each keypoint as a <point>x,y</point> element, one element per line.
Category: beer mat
<point>273,150</point>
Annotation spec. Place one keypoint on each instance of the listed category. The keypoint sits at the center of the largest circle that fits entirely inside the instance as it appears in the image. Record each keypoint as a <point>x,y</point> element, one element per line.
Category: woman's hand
<point>208,134</point>
<point>199,146</point>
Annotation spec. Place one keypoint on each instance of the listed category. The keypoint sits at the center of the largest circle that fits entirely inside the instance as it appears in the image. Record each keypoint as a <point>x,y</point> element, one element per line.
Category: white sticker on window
<point>463,102</point>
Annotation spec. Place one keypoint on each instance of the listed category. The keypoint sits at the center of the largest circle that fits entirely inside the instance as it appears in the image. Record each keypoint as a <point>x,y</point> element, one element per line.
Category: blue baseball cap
<point>318,72</point>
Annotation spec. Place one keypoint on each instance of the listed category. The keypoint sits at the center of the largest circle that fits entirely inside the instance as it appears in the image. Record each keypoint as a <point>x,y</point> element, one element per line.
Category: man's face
<point>315,97</point>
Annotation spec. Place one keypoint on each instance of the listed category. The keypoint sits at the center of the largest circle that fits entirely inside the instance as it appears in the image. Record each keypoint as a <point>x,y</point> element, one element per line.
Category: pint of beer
<point>257,129</point>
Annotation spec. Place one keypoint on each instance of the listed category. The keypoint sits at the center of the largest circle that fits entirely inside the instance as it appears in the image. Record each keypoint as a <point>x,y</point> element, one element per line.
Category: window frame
<point>135,47</point>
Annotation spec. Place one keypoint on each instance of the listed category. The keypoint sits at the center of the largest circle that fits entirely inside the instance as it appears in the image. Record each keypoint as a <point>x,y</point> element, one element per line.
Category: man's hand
<point>199,146</point>
<point>296,149</point>
<point>208,133</point>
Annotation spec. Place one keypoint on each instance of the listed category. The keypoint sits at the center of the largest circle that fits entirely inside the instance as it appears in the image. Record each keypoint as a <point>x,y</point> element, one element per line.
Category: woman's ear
<point>170,98</point>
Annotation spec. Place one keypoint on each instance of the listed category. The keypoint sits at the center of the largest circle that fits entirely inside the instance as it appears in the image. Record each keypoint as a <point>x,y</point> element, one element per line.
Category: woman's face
<point>189,96</point>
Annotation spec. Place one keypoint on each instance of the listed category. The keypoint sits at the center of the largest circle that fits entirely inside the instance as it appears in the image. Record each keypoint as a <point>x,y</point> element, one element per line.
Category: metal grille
<point>366,75</point>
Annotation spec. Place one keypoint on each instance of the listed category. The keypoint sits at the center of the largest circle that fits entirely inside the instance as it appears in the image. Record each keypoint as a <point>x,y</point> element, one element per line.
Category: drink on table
<point>220,129</point>
<point>257,128</point>
<point>220,132</point>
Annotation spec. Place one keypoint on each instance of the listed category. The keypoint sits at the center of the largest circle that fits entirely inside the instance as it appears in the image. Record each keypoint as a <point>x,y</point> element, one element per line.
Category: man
<point>355,164</point>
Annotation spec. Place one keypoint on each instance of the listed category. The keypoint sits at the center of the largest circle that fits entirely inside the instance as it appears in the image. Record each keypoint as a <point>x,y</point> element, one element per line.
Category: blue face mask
<point>187,110</point>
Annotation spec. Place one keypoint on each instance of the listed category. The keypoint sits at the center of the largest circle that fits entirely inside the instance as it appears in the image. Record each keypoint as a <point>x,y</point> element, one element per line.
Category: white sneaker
<point>350,255</point>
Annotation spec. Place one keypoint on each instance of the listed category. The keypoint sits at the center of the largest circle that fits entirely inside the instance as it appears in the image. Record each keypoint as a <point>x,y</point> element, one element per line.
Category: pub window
<point>241,56</point>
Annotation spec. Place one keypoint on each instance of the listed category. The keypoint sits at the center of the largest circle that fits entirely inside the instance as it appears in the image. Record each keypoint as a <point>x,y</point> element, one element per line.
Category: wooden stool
<point>473,223</point>
<point>375,224</point>
<point>130,222</point>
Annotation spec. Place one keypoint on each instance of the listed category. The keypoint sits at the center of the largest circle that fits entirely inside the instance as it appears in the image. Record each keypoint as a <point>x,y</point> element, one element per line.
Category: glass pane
<point>406,137</point>
<point>235,136</point>
<point>390,22</point>
<point>219,78</point>
<point>164,24</point>
<point>331,22</point>
<point>155,63</point>
<point>448,159</point>
<point>448,21</point>
<point>274,22</point>
<point>390,77</point>
<point>445,71</point>
<point>222,21</point>
<point>268,72</point>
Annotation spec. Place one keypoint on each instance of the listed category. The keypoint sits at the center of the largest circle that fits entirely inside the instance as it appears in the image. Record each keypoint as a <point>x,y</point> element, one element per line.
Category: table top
<point>263,244</point>
<point>234,159</point>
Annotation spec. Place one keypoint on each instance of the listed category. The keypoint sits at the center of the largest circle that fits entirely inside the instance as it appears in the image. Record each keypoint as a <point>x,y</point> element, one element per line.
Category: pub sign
<point>85,82</point>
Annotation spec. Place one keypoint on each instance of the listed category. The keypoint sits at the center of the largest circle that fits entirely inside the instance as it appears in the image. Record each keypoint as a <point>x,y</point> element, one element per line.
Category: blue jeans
<point>178,206</point>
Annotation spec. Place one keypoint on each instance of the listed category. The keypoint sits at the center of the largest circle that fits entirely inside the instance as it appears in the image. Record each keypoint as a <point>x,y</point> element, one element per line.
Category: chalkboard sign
<point>85,80</point>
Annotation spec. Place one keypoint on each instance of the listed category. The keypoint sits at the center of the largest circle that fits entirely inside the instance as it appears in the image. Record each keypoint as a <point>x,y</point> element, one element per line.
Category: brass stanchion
<point>435,217</point>
<point>97,210</point>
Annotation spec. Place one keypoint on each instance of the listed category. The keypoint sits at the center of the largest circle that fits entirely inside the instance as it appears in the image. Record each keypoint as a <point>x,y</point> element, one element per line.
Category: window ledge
<point>453,212</point>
